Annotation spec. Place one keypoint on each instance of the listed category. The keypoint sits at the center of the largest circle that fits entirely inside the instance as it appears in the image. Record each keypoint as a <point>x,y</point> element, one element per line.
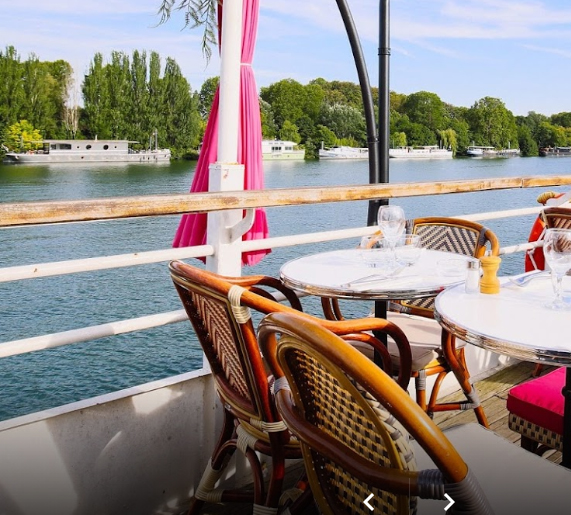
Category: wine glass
<point>391,223</point>
<point>408,249</point>
<point>557,251</point>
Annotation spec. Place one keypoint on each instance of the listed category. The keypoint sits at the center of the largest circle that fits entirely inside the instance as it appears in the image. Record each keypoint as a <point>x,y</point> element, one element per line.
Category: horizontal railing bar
<point>50,341</point>
<point>34,271</point>
<point>27,213</point>
<point>72,266</point>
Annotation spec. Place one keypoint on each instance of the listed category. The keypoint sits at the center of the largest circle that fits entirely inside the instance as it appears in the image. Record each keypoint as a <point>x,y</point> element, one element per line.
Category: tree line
<point>131,96</point>
<point>128,97</point>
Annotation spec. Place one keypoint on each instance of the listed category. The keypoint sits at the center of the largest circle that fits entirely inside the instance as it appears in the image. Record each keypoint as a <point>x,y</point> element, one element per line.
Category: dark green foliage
<point>527,144</point>
<point>128,99</point>
<point>34,91</point>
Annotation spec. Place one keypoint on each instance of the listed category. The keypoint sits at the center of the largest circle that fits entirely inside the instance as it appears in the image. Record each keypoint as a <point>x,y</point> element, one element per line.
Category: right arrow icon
<point>450,500</point>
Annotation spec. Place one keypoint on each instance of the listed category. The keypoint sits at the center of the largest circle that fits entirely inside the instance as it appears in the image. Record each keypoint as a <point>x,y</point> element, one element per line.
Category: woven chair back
<point>451,235</point>
<point>336,402</point>
<point>557,217</point>
<point>338,407</point>
<point>226,333</point>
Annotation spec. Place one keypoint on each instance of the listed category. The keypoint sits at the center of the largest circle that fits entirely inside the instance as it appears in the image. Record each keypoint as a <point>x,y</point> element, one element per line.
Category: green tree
<point>426,109</point>
<point>289,132</point>
<point>269,128</point>
<point>12,100</point>
<point>563,119</point>
<point>549,135</point>
<point>492,124</point>
<point>287,98</point>
<point>95,96</point>
<point>527,144</point>
<point>345,121</point>
<point>22,136</point>
<point>398,139</point>
<point>448,139</point>
<point>206,96</point>
<point>326,135</point>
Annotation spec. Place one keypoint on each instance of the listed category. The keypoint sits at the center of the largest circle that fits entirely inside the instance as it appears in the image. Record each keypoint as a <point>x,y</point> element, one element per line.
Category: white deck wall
<point>140,451</point>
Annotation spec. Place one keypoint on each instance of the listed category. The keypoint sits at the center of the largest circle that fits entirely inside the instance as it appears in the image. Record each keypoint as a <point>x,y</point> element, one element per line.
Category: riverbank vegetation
<point>131,96</point>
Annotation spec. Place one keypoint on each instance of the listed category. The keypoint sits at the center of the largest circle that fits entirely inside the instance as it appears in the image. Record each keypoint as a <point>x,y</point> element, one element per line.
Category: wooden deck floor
<point>493,392</point>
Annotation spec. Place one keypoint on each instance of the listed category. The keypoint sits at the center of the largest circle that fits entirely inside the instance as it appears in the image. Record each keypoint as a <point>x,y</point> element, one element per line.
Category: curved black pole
<point>372,137</point>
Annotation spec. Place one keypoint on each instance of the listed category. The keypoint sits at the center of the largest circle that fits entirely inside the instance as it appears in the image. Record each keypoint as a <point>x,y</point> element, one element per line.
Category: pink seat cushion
<point>540,401</point>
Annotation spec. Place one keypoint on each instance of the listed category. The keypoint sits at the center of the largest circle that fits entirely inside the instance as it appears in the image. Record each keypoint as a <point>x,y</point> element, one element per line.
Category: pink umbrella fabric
<point>192,228</point>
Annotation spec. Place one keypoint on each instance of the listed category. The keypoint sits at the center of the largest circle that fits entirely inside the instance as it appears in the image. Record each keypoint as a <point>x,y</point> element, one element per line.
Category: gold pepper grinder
<point>489,283</point>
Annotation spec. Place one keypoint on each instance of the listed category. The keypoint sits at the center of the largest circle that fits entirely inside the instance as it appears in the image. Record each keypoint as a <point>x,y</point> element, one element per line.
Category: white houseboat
<point>420,152</point>
<point>343,153</point>
<point>277,149</point>
<point>88,151</point>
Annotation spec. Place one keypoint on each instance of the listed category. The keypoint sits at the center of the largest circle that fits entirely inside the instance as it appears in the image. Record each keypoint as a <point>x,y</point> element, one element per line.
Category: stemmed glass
<point>557,251</point>
<point>391,223</point>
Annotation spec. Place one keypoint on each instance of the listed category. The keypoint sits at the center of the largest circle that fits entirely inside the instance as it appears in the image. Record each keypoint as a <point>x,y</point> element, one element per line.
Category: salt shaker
<point>472,284</point>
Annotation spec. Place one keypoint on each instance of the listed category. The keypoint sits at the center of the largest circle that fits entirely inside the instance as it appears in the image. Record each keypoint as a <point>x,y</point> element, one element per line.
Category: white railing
<point>48,341</point>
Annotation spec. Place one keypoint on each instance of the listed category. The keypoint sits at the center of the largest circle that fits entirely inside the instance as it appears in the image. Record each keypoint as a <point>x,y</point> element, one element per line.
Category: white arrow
<point>452,501</point>
<point>366,502</point>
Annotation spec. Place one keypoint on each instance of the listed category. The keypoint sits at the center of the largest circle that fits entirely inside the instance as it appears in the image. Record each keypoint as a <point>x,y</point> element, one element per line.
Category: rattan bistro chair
<point>219,310</point>
<point>354,425</point>
<point>434,352</point>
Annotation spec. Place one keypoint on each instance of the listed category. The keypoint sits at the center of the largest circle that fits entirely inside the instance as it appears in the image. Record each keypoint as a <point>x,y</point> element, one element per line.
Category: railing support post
<point>227,258</point>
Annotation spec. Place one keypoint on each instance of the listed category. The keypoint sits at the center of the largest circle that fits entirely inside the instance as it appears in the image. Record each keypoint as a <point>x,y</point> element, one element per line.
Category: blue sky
<point>462,50</point>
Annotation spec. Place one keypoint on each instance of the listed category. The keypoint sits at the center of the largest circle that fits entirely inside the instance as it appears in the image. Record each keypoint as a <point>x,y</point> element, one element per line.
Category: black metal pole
<point>384,91</point>
<point>368,104</point>
<point>384,122</point>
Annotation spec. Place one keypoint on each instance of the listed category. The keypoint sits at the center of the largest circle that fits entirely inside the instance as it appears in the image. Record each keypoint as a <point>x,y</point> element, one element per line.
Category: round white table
<point>346,274</point>
<point>514,322</point>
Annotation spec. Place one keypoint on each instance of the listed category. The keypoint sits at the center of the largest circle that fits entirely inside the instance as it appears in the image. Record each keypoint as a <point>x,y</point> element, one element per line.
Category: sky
<point>463,50</point>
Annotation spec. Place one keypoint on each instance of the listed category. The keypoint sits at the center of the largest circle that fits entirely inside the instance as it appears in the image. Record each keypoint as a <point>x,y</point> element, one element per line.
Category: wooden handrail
<point>29,213</point>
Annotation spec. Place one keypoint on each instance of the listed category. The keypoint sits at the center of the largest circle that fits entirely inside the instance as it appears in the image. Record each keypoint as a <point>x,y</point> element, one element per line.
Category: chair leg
<point>537,370</point>
<point>457,363</point>
<point>420,388</point>
<point>528,444</point>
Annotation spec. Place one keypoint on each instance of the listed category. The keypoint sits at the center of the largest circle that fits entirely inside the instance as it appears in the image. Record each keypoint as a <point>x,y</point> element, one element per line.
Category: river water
<point>45,379</point>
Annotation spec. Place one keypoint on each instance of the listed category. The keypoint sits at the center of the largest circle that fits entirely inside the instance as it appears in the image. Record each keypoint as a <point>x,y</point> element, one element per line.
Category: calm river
<point>28,308</point>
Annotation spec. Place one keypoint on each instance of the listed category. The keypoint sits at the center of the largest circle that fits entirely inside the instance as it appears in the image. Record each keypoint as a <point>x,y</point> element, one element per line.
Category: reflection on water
<point>33,307</point>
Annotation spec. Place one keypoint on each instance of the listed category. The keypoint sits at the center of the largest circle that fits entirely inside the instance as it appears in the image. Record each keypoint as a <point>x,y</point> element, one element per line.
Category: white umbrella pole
<point>226,174</point>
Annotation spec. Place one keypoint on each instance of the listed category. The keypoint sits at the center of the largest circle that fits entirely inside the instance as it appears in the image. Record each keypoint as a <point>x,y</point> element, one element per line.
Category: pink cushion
<point>540,401</point>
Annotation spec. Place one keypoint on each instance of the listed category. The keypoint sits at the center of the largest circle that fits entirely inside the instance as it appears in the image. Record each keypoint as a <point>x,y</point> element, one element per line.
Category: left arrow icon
<point>366,502</point>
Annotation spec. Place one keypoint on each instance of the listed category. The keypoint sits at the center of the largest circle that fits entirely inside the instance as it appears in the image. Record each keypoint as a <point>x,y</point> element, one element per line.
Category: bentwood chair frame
<point>449,235</point>
<point>219,310</point>
<point>354,426</point>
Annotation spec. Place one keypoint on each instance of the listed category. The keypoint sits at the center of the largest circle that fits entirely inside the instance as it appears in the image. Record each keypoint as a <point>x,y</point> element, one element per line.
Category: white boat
<point>508,152</point>
<point>277,149</point>
<point>88,151</point>
<point>343,153</point>
<point>481,151</point>
<point>420,152</point>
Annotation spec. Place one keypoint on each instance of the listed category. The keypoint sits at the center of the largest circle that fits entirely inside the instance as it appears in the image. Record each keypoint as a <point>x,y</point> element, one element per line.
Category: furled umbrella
<point>192,227</point>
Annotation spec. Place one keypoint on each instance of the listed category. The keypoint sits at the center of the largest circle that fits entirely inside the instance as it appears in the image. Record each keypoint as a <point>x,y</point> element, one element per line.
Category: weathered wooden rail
<point>29,213</point>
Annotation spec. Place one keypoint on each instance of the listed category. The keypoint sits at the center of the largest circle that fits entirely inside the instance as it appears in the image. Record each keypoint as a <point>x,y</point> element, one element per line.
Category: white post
<point>226,174</point>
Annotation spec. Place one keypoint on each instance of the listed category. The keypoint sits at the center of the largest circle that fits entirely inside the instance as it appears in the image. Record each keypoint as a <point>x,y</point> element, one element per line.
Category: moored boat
<point>87,150</point>
<point>481,151</point>
<point>278,149</point>
<point>343,152</point>
<point>420,152</point>
<point>555,152</point>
